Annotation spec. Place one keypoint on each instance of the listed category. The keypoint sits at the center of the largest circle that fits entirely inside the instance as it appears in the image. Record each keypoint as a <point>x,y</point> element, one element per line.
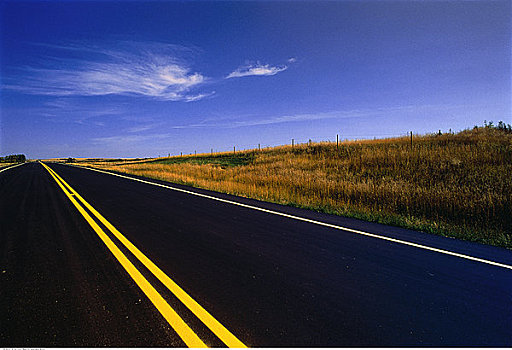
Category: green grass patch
<point>222,160</point>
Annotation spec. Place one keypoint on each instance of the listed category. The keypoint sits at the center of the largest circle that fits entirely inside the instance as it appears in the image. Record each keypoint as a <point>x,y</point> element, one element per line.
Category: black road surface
<point>270,280</point>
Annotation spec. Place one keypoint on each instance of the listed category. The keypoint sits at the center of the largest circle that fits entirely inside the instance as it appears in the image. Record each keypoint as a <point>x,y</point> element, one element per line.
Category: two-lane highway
<point>270,280</point>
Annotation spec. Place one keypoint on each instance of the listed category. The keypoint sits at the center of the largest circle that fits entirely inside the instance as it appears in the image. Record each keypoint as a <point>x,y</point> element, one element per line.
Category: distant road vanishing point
<point>90,258</point>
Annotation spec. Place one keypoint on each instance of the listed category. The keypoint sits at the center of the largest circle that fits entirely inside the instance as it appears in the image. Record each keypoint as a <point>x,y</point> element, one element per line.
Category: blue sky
<point>141,79</point>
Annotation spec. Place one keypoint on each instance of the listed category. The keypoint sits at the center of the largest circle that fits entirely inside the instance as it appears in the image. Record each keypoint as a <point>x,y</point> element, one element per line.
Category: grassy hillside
<point>457,185</point>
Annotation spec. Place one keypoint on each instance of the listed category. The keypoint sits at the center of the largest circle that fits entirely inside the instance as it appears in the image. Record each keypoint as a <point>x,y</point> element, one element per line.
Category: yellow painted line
<point>209,321</point>
<point>176,322</point>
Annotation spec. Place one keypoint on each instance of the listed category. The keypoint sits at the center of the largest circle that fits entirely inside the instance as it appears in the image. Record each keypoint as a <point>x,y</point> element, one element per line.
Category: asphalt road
<point>271,280</point>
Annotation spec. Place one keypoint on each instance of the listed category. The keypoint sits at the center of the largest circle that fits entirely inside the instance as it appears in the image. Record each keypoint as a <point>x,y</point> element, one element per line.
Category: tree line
<point>13,158</point>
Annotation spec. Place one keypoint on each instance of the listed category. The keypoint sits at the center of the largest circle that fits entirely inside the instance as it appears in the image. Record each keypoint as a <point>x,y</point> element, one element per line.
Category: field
<point>5,165</point>
<point>457,185</point>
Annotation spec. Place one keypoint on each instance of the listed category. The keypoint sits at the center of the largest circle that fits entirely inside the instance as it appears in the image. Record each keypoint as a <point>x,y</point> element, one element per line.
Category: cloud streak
<point>304,117</point>
<point>127,140</point>
<point>135,69</point>
<point>256,70</point>
<point>143,127</point>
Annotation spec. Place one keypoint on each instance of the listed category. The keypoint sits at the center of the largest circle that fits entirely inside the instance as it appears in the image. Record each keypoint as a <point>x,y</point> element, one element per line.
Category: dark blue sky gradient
<point>130,79</point>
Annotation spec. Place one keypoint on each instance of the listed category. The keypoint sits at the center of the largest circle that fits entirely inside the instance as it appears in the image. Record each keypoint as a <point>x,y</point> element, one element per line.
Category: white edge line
<point>442,251</point>
<point>12,166</point>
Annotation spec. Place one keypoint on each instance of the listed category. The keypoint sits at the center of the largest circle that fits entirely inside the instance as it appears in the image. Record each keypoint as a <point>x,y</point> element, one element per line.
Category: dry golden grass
<point>458,185</point>
<point>5,165</point>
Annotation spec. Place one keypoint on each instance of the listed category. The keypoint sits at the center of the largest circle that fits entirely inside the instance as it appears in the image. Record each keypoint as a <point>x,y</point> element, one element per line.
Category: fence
<point>293,142</point>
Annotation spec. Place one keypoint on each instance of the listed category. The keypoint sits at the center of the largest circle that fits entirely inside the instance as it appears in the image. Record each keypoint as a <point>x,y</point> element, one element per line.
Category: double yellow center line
<point>175,321</point>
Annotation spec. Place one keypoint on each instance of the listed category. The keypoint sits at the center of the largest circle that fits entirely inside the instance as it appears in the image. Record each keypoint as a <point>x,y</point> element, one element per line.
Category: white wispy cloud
<point>143,127</point>
<point>121,140</point>
<point>252,120</point>
<point>342,114</point>
<point>151,70</point>
<point>256,70</point>
<point>76,110</point>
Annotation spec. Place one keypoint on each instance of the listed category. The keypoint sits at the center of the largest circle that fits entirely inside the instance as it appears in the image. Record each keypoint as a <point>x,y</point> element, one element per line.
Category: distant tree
<point>70,160</point>
<point>13,158</point>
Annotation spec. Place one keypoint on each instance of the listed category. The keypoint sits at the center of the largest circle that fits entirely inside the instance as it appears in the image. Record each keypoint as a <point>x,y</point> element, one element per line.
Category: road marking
<point>12,166</point>
<point>363,233</point>
<point>183,330</point>
<point>215,326</point>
